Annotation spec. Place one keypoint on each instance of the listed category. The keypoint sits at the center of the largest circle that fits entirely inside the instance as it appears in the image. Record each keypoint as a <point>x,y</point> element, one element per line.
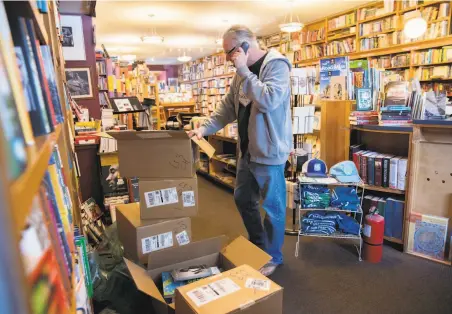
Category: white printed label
<point>157,242</point>
<point>367,230</point>
<point>258,284</point>
<point>161,197</point>
<point>183,238</point>
<point>188,198</point>
<point>213,291</point>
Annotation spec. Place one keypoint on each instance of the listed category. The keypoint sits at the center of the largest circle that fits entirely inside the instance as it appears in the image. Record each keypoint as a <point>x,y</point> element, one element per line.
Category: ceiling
<point>193,26</point>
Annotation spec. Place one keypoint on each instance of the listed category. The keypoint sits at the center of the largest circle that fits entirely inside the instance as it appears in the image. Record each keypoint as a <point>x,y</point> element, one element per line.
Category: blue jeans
<point>254,181</point>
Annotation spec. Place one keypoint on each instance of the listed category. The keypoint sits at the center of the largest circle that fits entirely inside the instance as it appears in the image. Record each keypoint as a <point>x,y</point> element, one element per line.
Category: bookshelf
<point>377,30</point>
<point>208,79</point>
<point>46,188</point>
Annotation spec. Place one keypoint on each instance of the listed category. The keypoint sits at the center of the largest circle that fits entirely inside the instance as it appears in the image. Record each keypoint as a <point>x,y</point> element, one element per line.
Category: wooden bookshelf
<point>397,48</point>
<point>383,189</point>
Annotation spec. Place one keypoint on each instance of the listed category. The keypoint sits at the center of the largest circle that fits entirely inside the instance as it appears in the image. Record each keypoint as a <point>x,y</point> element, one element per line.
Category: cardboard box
<point>209,252</point>
<point>239,290</point>
<point>141,238</point>
<point>157,154</point>
<point>168,198</point>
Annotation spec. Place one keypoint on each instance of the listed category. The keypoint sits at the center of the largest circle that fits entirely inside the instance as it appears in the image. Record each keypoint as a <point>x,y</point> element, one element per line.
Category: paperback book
<point>330,68</point>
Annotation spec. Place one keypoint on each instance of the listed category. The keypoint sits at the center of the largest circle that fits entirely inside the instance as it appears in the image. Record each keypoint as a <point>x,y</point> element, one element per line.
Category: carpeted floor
<point>327,277</point>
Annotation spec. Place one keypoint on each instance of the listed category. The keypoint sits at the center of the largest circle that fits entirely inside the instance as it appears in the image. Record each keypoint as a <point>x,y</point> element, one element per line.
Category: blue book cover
<point>49,72</point>
<point>397,223</point>
<point>389,213</point>
<point>328,68</point>
<point>29,72</point>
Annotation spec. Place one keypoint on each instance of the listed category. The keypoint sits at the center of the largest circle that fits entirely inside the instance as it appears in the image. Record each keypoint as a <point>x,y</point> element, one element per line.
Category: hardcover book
<point>378,169</point>
<point>385,171</point>
<point>393,170</point>
<point>364,99</point>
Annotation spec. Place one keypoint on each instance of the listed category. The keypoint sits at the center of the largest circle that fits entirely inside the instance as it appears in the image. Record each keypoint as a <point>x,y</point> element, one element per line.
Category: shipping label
<point>157,242</point>
<point>188,198</point>
<point>183,238</point>
<point>212,291</point>
<point>258,284</point>
<point>161,197</point>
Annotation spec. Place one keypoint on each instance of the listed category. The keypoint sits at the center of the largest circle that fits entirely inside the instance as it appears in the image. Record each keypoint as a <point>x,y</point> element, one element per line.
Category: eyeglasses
<point>230,51</point>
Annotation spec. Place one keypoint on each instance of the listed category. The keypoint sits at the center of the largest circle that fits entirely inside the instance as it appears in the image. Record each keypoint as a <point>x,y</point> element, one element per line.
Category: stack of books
<point>395,110</point>
<point>363,118</point>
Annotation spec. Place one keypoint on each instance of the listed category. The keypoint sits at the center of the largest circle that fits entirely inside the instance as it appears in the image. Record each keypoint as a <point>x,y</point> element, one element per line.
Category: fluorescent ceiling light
<point>152,39</point>
<point>291,27</point>
<point>184,58</point>
<point>415,26</point>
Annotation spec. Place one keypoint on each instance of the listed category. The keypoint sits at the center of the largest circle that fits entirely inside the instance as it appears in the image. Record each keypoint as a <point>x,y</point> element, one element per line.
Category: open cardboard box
<point>158,154</point>
<point>143,237</point>
<point>209,252</point>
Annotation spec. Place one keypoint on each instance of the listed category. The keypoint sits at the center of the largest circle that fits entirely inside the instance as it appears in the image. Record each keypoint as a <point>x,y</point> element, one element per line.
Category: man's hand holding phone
<point>239,57</point>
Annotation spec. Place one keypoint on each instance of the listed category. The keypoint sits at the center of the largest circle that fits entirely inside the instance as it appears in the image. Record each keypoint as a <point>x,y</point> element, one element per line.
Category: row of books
<point>435,12</point>
<point>339,47</point>
<point>434,30</point>
<point>46,241</point>
<point>310,52</point>
<point>391,208</point>
<point>101,68</point>
<point>310,36</point>
<point>436,55</point>
<point>378,26</point>
<point>372,12</point>
<point>342,21</point>
<point>102,83</point>
<point>381,41</point>
<point>433,72</point>
<point>385,170</point>
<point>399,60</point>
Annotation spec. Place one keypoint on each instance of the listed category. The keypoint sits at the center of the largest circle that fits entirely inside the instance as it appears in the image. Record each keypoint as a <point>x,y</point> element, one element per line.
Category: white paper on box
<point>212,291</point>
<point>161,197</point>
<point>393,166</point>
<point>258,284</point>
<point>401,173</point>
<point>157,242</point>
<point>183,238</point>
<point>188,198</point>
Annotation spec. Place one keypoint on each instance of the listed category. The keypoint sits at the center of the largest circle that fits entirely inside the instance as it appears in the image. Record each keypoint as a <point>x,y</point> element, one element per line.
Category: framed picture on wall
<point>73,40</point>
<point>79,82</point>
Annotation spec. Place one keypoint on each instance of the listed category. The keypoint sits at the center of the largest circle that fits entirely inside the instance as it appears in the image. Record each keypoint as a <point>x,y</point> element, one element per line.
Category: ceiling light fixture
<point>153,37</point>
<point>184,58</point>
<point>415,26</point>
<point>291,26</point>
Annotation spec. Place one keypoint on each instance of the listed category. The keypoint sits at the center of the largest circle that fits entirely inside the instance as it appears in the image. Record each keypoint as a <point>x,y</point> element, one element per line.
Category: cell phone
<point>245,46</point>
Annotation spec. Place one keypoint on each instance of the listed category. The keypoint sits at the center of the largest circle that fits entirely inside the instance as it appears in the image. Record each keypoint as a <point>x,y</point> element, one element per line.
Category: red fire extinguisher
<point>373,232</point>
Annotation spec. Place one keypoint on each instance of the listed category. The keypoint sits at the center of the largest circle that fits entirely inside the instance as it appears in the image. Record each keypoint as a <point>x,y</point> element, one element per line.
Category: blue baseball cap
<point>315,168</point>
<point>345,172</point>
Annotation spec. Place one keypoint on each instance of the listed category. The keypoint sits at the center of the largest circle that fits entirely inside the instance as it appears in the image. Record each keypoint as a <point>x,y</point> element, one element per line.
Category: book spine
<point>371,170</point>
<point>388,218</point>
<point>401,174</point>
<point>364,168</point>
<point>356,161</point>
<point>378,171</point>
<point>397,223</point>
<point>393,173</point>
<point>385,172</point>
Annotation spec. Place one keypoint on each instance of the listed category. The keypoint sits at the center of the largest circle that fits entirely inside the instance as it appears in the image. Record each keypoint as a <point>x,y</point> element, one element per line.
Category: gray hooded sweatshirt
<point>270,124</point>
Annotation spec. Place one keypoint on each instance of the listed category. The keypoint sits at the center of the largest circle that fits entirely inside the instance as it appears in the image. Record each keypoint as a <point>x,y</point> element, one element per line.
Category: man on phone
<point>259,99</point>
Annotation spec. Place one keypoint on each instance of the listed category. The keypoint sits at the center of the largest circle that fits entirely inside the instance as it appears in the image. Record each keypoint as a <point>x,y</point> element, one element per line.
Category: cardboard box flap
<point>241,251</point>
<point>204,145</point>
<point>147,135</point>
<point>186,252</point>
<point>143,282</point>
